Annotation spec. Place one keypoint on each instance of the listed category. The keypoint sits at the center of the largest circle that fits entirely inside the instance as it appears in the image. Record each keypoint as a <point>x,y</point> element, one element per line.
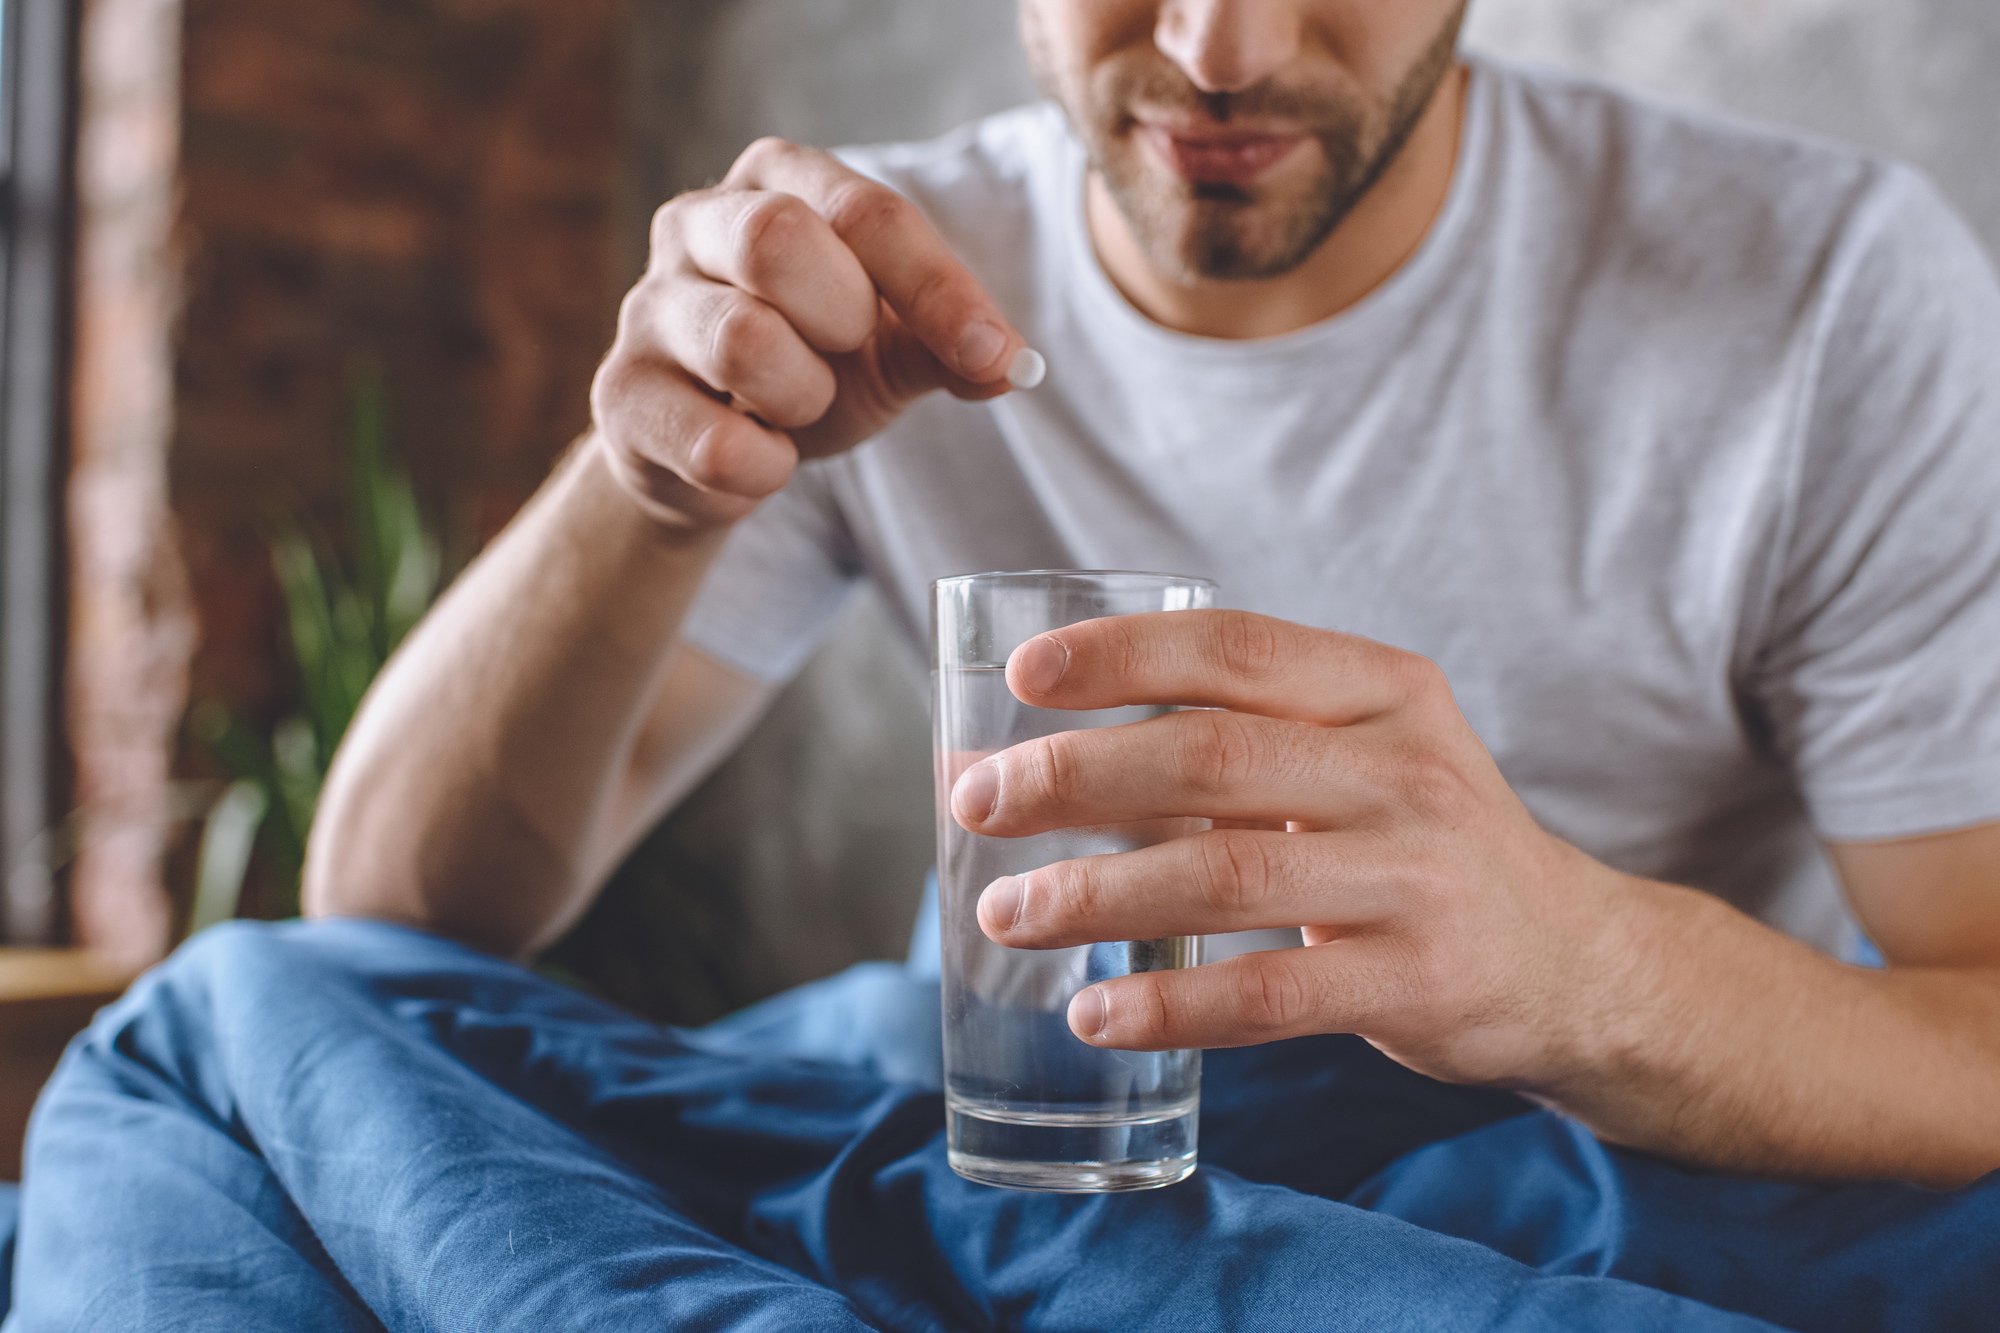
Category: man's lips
<point>1218,157</point>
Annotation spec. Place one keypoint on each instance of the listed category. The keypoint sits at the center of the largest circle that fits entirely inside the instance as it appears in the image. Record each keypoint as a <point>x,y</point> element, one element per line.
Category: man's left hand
<point>1353,800</point>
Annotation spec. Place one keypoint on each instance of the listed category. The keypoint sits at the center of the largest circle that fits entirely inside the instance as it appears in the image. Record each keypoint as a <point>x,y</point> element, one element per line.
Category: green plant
<point>344,618</point>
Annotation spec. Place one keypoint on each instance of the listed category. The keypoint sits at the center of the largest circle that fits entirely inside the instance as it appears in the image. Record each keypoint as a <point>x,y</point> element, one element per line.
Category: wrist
<point>1639,1033</point>
<point>1616,995</point>
<point>588,516</point>
<point>673,508</point>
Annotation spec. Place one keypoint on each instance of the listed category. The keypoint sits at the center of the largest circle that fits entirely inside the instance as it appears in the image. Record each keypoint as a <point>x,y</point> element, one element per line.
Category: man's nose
<point>1225,46</point>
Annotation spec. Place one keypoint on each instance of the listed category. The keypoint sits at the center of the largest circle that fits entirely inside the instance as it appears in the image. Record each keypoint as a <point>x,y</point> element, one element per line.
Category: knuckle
<point>938,288</point>
<point>637,314</point>
<point>767,230</point>
<point>1236,872</point>
<point>1269,999</point>
<point>647,477</point>
<point>864,206</point>
<point>806,400</point>
<point>664,233</point>
<point>1157,1013</point>
<point>1122,652</point>
<point>621,382</point>
<point>760,155</point>
<point>1062,893</point>
<point>610,383</point>
<point>1422,681</point>
<point>1054,774</point>
<point>1249,646</point>
<point>715,456</point>
<point>1431,786</point>
<point>605,397</point>
<point>1218,755</point>
<point>742,341</point>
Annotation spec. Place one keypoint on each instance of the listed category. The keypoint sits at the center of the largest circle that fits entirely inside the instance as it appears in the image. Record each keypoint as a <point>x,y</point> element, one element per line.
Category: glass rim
<point>1040,576</point>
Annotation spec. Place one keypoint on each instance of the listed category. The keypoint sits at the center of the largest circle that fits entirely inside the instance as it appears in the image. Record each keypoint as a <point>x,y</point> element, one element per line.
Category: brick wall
<point>131,627</point>
<point>433,182</point>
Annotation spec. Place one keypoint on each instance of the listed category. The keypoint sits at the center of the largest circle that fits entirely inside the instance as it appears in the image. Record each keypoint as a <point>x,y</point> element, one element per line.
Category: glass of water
<point>1029,1105</point>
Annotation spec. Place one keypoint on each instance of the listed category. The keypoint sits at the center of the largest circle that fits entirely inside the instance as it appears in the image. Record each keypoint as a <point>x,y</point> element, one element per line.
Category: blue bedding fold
<point>350,1125</point>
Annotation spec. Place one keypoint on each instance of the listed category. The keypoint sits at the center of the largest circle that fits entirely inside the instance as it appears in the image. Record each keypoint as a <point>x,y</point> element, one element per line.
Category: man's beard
<point>1193,230</point>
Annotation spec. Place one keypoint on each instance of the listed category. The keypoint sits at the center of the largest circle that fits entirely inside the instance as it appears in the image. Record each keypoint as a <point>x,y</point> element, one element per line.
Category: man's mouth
<point>1218,157</point>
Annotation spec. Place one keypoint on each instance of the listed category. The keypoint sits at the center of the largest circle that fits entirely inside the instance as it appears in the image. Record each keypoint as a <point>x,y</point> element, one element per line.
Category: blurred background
<point>301,301</point>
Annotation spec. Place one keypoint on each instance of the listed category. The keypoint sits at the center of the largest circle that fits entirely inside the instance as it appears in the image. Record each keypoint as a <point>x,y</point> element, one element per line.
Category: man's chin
<point>1218,230</point>
<point>1220,234</point>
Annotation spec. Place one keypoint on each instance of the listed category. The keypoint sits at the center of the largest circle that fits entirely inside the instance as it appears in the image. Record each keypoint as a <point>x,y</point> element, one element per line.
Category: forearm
<point>478,788</point>
<point>1721,1042</point>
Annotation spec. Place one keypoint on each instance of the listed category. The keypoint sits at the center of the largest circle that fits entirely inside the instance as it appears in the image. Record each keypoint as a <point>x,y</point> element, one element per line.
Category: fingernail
<point>1027,369</point>
<point>976,792</point>
<point>1088,1014</point>
<point>979,347</point>
<point>1041,663</point>
<point>1001,903</point>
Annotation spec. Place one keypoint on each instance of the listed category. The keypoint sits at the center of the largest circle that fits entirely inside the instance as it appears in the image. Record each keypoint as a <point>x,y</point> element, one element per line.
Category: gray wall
<point>822,825</point>
<point>1916,79</point>
<point>708,76</point>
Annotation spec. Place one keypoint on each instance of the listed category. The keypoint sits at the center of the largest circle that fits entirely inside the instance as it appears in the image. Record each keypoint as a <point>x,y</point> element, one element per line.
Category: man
<point>1607,495</point>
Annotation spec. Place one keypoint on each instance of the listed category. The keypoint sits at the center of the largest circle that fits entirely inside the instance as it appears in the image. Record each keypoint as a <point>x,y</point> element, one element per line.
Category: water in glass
<point>1029,1104</point>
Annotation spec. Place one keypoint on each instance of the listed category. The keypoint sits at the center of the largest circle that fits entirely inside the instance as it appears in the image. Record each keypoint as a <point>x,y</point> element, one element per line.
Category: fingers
<point>1345,986</point>
<point>775,248</point>
<point>1206,884</point>
<point>1196,764</point>
<point>806,298</point>
<point>1220,659</point>
<point>877,383</point>
<point>741,346</point>
<point>907,261</point>
<point>677,449</point>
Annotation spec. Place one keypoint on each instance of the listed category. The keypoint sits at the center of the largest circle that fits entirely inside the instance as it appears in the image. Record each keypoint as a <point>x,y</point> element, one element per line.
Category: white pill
<point>1027,369</point>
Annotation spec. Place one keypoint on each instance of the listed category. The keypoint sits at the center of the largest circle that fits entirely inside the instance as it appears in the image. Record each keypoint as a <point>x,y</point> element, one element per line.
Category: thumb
<point>892,370</point>
<point>903,354</point>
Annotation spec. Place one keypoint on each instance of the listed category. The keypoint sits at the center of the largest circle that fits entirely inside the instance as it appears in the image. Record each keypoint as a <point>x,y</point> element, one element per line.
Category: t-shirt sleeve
<point>780,584</point>
<point>1879,674</point>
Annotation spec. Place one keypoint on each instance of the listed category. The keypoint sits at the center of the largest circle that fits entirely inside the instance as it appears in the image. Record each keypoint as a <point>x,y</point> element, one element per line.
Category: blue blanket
<point>355,1126</point>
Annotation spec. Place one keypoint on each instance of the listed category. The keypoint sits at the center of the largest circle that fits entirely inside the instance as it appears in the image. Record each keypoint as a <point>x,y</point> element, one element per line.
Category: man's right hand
<point>790,312</point>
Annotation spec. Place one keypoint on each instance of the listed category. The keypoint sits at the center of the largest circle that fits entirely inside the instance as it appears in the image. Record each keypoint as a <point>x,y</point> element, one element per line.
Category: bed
<point>351,1125</point>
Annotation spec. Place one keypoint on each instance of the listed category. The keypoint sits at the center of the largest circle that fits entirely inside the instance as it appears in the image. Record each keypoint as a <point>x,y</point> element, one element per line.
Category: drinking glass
<point>1028,1105</point>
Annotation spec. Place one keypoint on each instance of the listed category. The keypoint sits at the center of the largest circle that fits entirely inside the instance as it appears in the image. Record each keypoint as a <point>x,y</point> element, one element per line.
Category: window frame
<point>37,153</point>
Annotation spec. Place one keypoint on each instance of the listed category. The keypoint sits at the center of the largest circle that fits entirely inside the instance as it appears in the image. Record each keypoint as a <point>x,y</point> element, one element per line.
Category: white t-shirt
<point>1677,446</point>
